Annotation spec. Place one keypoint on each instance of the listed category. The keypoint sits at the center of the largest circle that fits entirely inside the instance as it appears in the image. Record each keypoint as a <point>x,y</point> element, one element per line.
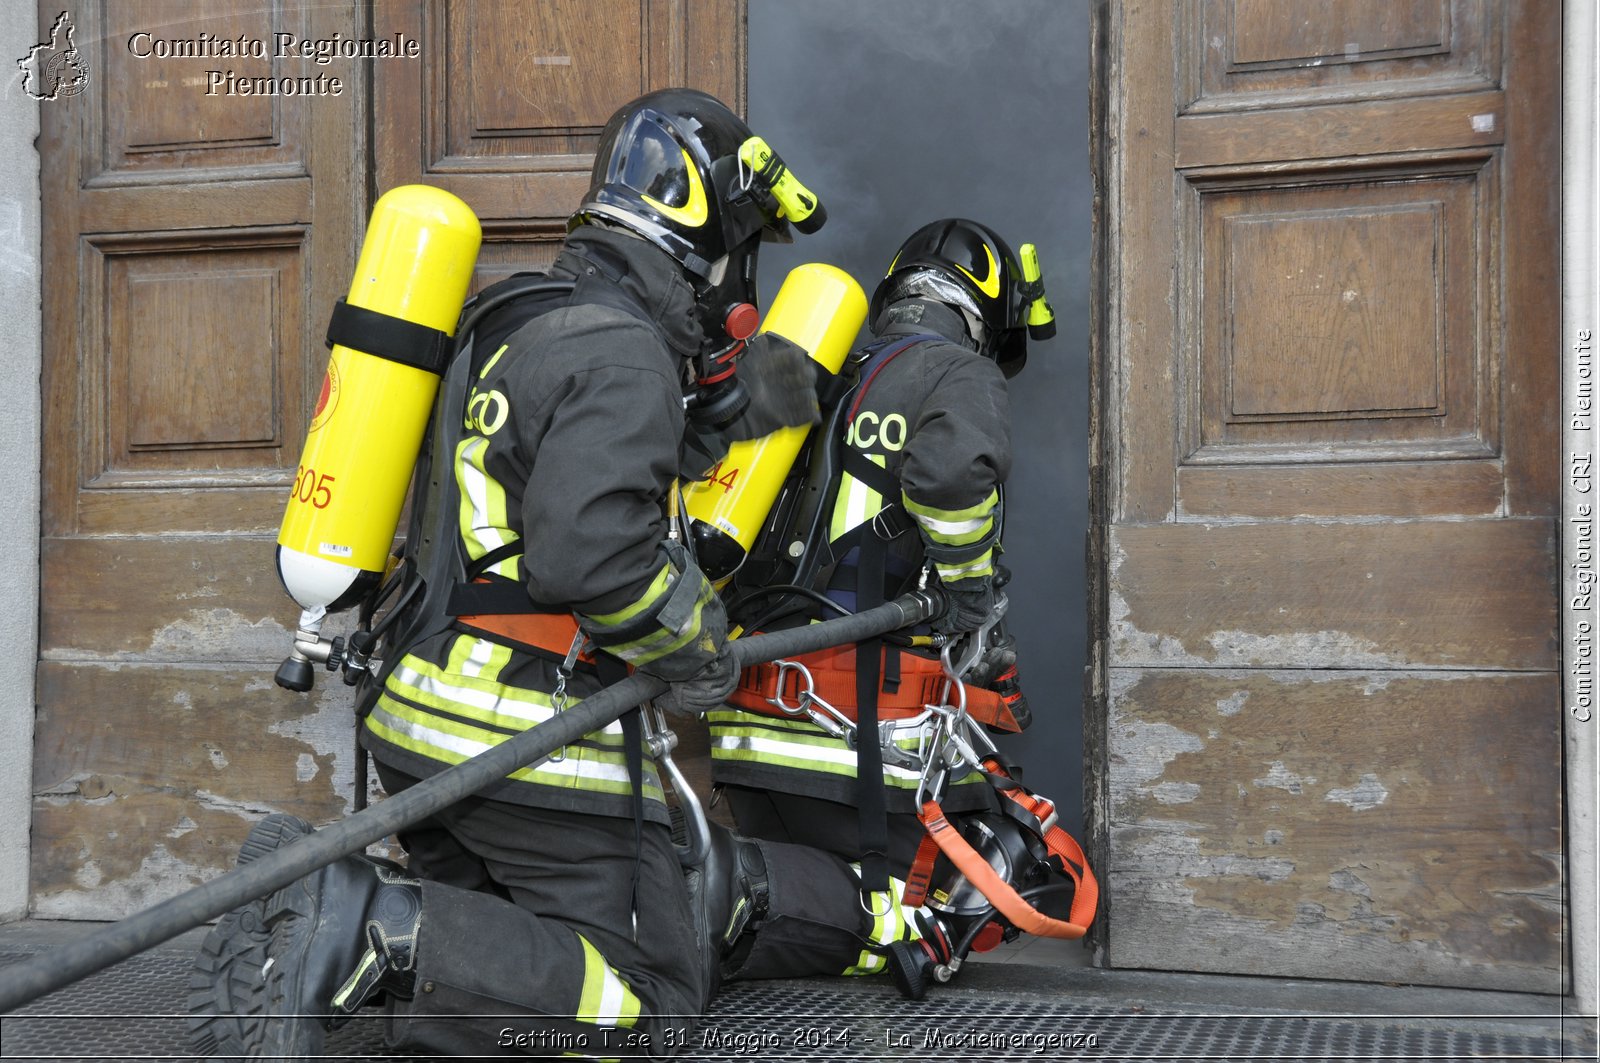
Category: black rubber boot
<point>272,977</point>
<point>728,897</point>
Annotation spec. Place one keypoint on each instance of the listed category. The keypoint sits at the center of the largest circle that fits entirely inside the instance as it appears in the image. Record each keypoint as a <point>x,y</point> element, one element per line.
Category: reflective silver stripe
<point>481,656</point>
<point>836,756</point>
<point>981,567</point>
<point>533,711</point>
<point>605,999</point>
<point>857,503</point>
<point>953,529</point>
<point>534,708</point>
<point>571,767</point>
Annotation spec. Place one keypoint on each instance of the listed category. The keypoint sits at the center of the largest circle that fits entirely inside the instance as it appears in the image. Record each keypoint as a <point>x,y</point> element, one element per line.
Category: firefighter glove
<point>782,384</point>
<point>704,691</point>
<point>971,602</point>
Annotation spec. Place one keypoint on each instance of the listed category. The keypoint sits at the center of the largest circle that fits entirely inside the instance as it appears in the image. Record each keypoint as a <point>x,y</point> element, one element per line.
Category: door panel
<point>508,104</point>
<point>190,264</point>
<point>1328,471</point>
<point>508,108</point>
<point>195,245</point>
<point>1254,835</point>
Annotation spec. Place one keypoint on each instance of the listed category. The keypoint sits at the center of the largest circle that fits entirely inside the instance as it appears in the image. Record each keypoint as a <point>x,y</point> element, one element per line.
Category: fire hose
<point>49,971</point>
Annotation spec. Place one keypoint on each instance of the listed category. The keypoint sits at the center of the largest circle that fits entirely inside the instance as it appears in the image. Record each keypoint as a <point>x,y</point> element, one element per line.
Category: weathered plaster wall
<point>19,455</point>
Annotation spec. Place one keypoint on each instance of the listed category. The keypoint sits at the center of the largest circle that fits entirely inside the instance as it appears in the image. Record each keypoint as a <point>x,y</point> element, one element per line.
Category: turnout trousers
<point>818,923</point>
<point>535,942</point>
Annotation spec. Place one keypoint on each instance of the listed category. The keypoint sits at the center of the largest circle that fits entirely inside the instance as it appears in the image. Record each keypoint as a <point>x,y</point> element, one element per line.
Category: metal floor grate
<point>134,1011</point>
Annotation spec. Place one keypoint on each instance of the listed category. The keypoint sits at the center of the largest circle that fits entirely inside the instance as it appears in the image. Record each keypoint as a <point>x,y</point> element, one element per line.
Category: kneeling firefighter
<point>554,901</point>
<point>831,751</point>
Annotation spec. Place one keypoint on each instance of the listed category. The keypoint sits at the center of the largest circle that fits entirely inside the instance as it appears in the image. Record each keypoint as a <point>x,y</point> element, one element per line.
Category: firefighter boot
<point>728,896</point>
<point>272,977</point>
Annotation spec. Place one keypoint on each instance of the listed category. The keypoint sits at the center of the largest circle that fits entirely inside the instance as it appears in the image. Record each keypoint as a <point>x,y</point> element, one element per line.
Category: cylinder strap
<point>833,676</point>
<point>943,837</point>
<point>387,336</point>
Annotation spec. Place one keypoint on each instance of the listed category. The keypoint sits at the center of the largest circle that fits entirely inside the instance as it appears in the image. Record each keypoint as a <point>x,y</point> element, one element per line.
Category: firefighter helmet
<point>969,266</point>
<point>668,169</point>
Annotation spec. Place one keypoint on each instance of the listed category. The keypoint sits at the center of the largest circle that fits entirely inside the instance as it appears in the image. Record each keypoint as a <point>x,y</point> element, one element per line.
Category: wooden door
<point>1327,741</point>
<point>507,106</point>
<point>194,245</point>
<point>506,110</point>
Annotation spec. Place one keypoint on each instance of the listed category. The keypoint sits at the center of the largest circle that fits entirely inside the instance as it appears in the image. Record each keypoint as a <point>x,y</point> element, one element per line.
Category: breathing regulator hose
<point>49,971</point>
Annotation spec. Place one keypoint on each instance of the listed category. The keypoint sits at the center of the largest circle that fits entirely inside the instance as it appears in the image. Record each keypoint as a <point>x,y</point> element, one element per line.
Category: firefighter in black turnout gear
<point>924,449</point>
<point>552,904</point>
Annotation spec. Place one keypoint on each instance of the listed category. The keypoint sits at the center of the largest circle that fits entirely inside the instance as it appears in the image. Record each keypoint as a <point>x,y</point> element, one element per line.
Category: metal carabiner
<point>975,643</point>
<point>558,696</point>
<point>888,902</point>
<point>776,700</point>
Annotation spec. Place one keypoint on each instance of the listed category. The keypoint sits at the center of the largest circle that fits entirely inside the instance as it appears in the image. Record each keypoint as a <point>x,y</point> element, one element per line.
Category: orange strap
<point>551,632</point>
<point>945,838</point>
<point>833,677</point>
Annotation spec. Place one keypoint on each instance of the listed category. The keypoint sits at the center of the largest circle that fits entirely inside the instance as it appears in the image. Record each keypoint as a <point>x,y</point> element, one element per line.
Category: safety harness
<point>847,691</point>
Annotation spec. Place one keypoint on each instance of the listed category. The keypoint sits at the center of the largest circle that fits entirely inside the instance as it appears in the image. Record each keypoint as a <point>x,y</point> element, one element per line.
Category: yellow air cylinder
<point>339,526</point>
<point>820,308</point>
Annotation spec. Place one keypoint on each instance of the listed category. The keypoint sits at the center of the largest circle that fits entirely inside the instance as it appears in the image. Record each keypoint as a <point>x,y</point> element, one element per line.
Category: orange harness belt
<point>551,632</point>
<point>833,678</point>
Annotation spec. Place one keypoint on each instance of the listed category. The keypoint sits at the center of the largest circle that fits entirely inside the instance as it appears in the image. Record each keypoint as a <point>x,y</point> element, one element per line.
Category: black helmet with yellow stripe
<point>968,266</point>
<point>680,169</point>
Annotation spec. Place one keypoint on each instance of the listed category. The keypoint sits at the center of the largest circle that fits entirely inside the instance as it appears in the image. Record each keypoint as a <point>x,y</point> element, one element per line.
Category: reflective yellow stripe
<point>477,658</point>
<point>662,640</point>
<point>606,1000</point>
<point>750,738</point>
<point>891,921</point>
<point>484,523</point>
<point>451,742</point>
<point>482,700</point>
<point>983,565</point>
<point>657,588</point>
<point>856,502</point>
<point>954,526</point>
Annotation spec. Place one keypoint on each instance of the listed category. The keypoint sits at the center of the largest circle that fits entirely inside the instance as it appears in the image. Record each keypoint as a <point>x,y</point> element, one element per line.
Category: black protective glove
<point>971,602</point>
<point>704,691</point>
<point>781,380</point>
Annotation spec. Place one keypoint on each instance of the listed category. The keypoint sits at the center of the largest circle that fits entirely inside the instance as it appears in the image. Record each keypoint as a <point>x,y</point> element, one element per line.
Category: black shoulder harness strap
<point>600,287</point>
<point>872,538</point>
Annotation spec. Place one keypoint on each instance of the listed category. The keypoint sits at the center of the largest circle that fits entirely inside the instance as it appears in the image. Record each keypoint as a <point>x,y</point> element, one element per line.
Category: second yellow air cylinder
<point>820,308</point>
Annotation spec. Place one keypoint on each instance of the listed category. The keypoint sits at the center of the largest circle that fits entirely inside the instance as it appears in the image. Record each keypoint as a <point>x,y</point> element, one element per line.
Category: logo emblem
<point>54,68</point>
<point>328,401</point>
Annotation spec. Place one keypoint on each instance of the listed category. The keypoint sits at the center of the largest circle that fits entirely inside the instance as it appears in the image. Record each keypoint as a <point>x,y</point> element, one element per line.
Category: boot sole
<point>237,993</point>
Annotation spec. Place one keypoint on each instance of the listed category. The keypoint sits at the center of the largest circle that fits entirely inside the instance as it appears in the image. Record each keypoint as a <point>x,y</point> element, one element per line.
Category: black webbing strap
<point>496,596</point>
<point>612,671</point>
<point>871,804</point>
<point>389,337</point>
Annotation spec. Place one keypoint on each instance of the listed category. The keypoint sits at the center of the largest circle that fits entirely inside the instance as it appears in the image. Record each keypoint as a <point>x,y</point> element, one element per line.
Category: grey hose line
<point>49,971</point>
